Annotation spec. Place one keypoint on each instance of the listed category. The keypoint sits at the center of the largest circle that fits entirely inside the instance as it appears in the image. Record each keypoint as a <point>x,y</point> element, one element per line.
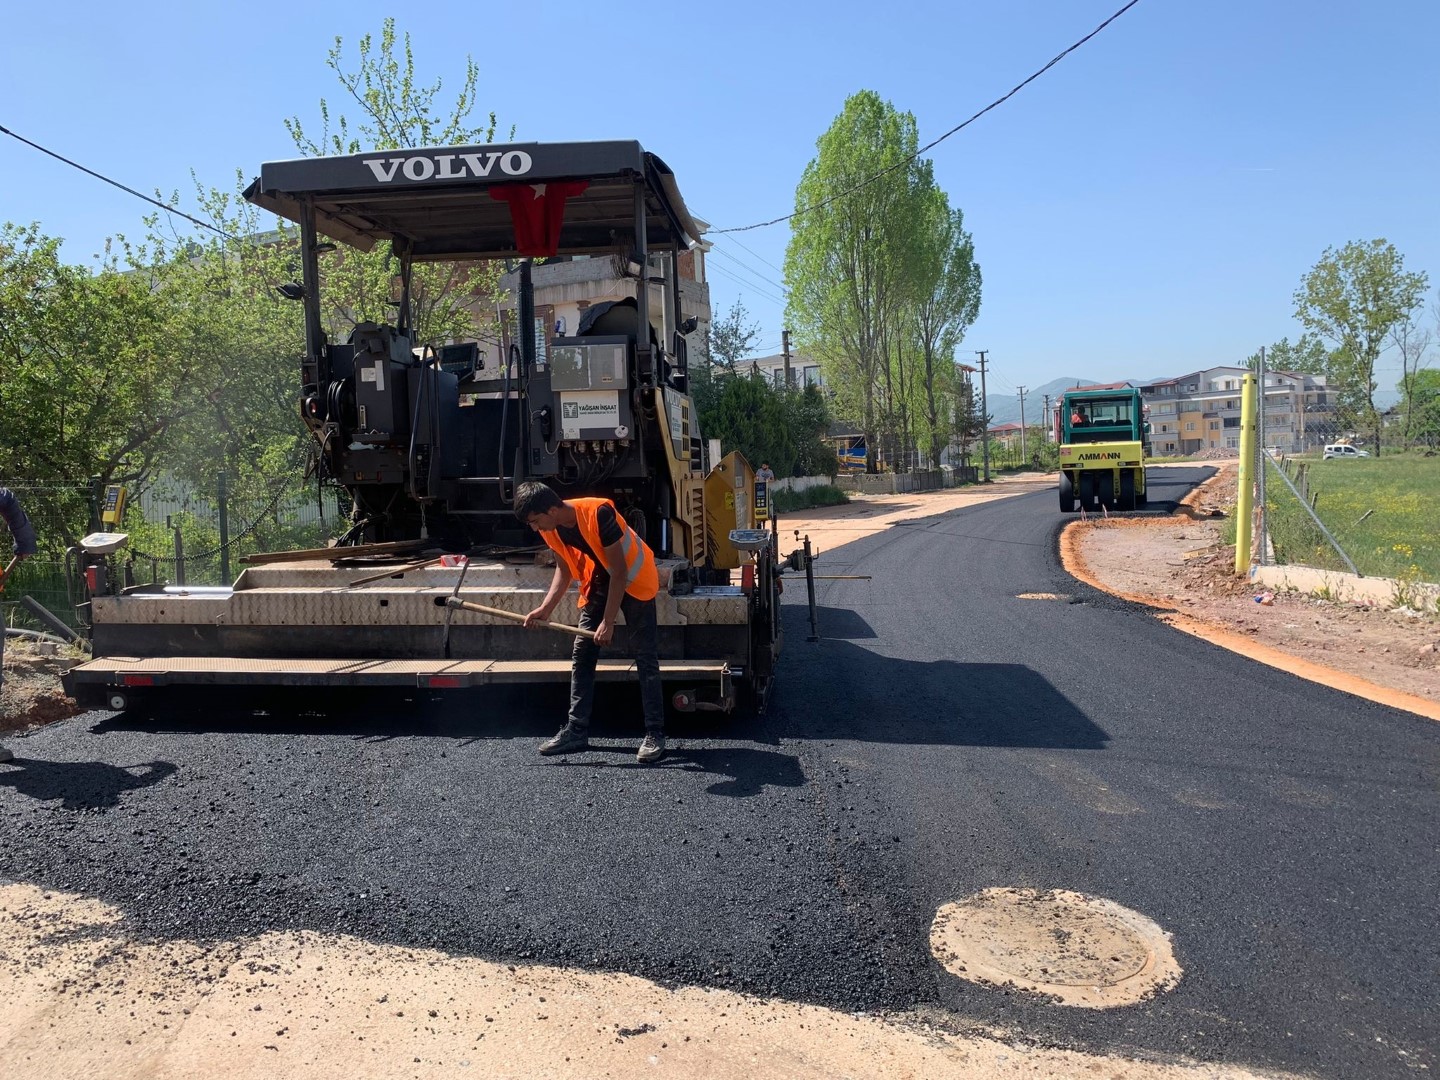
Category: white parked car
<point>1343,450</point>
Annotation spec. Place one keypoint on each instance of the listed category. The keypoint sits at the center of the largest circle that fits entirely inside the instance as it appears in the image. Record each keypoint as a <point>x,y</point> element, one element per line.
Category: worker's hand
<point>605,632</point>
<point>536,618</point>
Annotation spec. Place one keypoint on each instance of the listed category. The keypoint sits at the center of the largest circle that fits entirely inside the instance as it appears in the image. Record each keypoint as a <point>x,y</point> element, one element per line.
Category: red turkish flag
<point>537,211</point>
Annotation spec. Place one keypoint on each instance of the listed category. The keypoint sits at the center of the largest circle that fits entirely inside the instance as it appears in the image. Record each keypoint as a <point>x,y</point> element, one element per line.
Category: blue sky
<point>1146,208</point>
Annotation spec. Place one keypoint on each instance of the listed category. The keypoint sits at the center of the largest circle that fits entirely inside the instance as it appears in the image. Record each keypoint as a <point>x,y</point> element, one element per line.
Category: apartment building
<point>804,371</point>
<point>1201,411</point>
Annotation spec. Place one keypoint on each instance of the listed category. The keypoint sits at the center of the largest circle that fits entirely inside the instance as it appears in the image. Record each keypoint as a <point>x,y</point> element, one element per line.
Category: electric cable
<point>116,183</point>
<point>964,124</point>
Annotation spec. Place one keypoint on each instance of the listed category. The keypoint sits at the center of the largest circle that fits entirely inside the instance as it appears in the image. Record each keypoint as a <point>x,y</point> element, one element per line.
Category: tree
<point>851,266</point>
<point>732,338</point>
<point>396,112</point>
<point>728,342</point>
<point>1353,298</point>
<point>807,416</point>
<point>1308,356</point>
<point>96,377</point>
<point>1412,341</point>
<point>750,416</point>
<point>944,309</point>
<point>970,423</point>
<point>1424,407</point>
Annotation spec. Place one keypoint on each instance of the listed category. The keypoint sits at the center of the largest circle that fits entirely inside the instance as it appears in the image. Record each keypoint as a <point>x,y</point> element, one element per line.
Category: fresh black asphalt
<point>943,737</point>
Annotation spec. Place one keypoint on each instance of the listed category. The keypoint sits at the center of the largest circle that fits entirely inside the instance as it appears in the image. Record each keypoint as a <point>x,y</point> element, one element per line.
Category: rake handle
<point>470,605</point>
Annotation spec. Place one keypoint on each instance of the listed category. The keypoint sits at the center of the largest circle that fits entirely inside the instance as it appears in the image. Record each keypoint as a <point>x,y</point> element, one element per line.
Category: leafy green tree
<point>970,423</point>
<point>223,283</point>
<point>943,310</point>
<point>397,111</point>
<point>807,416</point>
<point>1424,406</point>
<point>850,267</point>
<point>750,416</point>
<point>1353,298</point>
<point>1308,355</point>
<point>1412,342</point>
<point>96,377</point>
<point>730,340</point>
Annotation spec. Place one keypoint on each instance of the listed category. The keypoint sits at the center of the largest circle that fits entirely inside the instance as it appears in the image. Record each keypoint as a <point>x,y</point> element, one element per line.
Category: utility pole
<point>785,349</point>
<point>1021,391</point>
<point>984,415</point>
<point>1048,426</point>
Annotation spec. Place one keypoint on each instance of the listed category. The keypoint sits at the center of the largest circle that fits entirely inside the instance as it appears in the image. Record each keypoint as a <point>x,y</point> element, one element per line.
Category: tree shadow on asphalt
<point>80,785</point>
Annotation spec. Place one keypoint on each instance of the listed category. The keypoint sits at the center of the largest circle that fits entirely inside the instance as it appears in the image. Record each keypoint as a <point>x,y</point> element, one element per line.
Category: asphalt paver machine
<point>429,440</point>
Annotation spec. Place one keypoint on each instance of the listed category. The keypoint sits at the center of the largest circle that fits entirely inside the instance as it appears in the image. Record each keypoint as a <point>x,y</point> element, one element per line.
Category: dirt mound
<point>32,695</point>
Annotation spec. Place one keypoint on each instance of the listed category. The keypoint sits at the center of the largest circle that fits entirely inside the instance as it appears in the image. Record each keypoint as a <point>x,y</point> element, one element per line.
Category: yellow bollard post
<point>1245,499</point>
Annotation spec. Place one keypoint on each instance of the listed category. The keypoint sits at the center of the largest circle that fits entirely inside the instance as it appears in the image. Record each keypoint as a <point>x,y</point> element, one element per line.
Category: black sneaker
<point>652,748</point>
<point>565,741</point>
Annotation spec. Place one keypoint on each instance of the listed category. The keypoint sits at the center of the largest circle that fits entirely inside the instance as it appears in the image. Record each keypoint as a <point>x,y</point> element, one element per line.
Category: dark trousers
<point>644,638</point>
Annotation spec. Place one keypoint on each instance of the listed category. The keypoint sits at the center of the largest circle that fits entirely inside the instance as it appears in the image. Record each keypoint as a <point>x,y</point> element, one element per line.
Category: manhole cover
<point>1080,950</point>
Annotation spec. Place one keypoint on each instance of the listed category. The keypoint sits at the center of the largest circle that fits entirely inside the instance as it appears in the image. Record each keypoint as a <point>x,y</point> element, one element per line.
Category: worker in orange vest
<point>617,573</point>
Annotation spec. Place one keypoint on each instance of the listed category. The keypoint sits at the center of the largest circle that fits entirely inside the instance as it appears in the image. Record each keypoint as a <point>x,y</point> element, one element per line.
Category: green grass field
<point>1384,512</point>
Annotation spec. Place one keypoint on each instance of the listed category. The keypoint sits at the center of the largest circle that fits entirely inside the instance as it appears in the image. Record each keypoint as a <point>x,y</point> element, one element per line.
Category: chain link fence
<point>179,534</point>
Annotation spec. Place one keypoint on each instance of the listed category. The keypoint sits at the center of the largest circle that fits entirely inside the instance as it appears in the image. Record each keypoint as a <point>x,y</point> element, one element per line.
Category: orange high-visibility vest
<point>642,580</point>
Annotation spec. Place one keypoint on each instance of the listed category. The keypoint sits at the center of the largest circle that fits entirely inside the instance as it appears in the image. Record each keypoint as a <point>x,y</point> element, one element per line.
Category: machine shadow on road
<point>833,689</point>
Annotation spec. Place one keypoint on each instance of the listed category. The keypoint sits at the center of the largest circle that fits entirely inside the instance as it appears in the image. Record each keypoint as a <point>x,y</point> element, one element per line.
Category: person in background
<point>23,535</point>
<point>763,474</point>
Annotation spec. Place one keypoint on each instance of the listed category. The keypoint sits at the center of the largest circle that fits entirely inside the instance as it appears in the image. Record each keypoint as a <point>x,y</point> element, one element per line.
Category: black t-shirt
<point>609,534</point>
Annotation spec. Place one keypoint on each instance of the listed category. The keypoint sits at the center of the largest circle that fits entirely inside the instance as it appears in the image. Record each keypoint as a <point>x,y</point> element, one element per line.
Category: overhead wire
<point>751,270</point>
<point>767,262</point>
<point>116,183</point>
<point>933,143</point>
<point>751,285</point>
<point>759,284</point>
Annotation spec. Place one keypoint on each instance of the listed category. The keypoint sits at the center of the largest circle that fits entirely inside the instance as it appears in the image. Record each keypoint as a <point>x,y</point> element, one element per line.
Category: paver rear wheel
<point>1067,494</point>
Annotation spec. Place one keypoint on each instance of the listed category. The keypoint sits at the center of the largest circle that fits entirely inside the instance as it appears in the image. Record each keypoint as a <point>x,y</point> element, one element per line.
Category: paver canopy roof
<point>440,199</point>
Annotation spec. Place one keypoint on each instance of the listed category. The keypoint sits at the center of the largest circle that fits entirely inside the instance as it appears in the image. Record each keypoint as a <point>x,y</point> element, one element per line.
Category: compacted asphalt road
<point>943,737</point>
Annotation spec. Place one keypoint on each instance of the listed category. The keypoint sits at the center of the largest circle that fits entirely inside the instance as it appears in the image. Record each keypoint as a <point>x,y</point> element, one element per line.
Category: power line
<point>902,164</point>
<point>758,290</point>
<point>750,270</point>
<point>749,285</point>
<point>116,183</point>
<point>767,262</point>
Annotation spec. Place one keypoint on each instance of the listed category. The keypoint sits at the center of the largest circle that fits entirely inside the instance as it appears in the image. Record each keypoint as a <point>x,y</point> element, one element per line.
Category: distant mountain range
<point>1005,408</point>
